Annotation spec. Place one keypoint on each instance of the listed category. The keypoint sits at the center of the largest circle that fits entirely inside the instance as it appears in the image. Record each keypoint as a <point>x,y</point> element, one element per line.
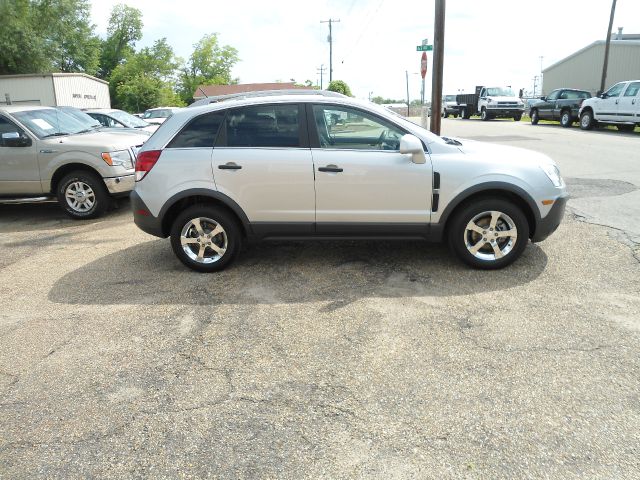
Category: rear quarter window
<point>200,132</point>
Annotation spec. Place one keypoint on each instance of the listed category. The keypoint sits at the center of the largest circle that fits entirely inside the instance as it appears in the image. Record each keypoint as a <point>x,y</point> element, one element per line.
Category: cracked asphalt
<point>317,360</point>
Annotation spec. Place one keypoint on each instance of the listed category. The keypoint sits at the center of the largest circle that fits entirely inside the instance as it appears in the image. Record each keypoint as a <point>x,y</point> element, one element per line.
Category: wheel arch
<point>182,200</point>
<point>509,192</point>
<point>68,168</point>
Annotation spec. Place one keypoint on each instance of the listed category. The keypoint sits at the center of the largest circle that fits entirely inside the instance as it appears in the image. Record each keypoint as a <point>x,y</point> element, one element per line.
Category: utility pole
<point>438,67</point>
<point>330,39</point>
<point>535,81</point>
<point>407,74</point>
<point>606,48</point>
<point>541,57</point>
<point>321,72</point>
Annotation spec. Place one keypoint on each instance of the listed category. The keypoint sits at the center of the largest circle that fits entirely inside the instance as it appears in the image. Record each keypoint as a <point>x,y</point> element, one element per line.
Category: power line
<point>362,32</point>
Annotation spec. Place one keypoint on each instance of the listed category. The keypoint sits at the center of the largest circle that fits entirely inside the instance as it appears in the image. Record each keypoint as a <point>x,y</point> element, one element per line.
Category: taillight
<point>145,162</point>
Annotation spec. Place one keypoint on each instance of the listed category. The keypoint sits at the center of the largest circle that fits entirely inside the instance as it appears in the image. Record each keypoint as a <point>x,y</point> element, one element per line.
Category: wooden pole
<point>438,66</point>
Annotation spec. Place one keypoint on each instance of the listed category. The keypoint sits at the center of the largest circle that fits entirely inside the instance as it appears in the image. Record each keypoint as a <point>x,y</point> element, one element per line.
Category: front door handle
<point>230,166</point>
<point>330,168</point>
<point>616,102</point>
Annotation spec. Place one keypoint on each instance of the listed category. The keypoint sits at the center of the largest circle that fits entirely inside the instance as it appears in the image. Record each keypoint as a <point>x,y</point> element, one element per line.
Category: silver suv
<point>328,166</point>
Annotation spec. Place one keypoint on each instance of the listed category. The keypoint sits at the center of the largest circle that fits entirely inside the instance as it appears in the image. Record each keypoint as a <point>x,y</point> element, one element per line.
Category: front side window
<point>553,95</point>
<point>346,128</point>
<point>616,90</point>
<point>264,126</point>
<point>632,90</point>
<point>200,132</point>
<point>10,129</point>
<point>500,92</point>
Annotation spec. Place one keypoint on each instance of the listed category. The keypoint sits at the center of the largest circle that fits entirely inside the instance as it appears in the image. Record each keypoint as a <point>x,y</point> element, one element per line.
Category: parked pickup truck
<point>619,106</point>
<point>46,153</point>
<point>561,104</point>
<point>490,102</point>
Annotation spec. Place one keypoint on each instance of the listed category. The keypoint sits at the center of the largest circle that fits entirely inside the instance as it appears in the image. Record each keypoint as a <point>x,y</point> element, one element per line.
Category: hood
<point>103,141</point>
<point>502,153</point>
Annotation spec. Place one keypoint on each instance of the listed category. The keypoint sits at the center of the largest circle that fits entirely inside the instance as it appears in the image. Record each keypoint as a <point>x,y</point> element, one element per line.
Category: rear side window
<point>200,132</point>
<point>263,126</point>
<point>632,90</point>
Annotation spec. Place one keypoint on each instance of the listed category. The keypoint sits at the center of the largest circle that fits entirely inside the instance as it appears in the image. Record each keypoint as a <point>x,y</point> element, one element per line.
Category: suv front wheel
<point>205,238</point>
<point>488,233</point>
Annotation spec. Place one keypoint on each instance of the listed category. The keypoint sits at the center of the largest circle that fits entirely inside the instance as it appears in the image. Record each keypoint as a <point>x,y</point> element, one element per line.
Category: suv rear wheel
<point>565,119</point>
<point>488,233</point>
<point>82,195</point>
<point>205,238</point>
<point>534,117</point>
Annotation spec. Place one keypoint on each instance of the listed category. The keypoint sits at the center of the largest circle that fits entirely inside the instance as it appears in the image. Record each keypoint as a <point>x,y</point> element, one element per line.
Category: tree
<point>125,29</point>
<point>381,100</point>
<point>22,47</point>
<point>70,43</point>
<point>146,79</point>
<point>209,64</point>
<point>341,87</point>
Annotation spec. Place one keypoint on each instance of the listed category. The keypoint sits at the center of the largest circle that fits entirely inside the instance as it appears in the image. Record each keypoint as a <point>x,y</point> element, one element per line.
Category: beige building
<point>583,69</point>
<point>55,89</point>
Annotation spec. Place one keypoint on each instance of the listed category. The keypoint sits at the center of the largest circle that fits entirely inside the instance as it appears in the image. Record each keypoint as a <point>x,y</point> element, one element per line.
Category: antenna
<point>203,92</point>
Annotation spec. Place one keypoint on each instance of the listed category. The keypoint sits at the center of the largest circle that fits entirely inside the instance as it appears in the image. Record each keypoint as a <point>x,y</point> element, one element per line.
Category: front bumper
<point>505,112</point>
<point>120,184</point>
<point>143,218</point>
<point>549,224</point>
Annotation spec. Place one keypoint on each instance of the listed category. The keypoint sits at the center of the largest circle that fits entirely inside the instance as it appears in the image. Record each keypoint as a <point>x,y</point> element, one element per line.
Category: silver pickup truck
<point>46,153</point>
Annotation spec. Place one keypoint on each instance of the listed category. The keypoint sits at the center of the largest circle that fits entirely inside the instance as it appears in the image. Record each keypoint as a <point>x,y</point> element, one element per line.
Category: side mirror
<point>603,95</point>
<point>544,99</point>
<point>14,139</point>
<point>412,145</point>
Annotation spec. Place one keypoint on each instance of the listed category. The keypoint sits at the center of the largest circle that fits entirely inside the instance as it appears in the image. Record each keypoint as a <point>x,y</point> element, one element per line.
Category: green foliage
<point>145,79</point>
<point>381,100</point>
<point>125,29</point>
<point>209,64</point>
<point>341,87</point>
<point>47,35</point>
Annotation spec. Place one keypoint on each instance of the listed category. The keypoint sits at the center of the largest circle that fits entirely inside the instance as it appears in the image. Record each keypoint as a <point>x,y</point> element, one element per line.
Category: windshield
<point>450,98</point>
<point>81,116</point>
<point>164,113</point>
<point>51,122</point>
<point>127,119</point>
<point>500,92</point>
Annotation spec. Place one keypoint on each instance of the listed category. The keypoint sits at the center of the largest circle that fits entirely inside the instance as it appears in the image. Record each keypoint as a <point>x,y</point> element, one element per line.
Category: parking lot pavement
<point>313,360</point>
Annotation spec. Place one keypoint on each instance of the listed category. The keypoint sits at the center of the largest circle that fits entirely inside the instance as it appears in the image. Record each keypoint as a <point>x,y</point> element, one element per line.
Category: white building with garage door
<point>55,89</point>
<point>583,69</point>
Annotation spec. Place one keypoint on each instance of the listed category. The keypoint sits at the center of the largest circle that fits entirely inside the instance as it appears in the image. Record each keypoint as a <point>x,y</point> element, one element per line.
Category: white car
<point>113,118</point>
<point>619,106</point>
<point>158,115</point>
<point>317,167</point>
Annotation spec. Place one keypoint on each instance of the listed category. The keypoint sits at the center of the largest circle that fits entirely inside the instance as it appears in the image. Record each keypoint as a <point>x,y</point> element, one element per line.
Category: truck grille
<point>508,104</point>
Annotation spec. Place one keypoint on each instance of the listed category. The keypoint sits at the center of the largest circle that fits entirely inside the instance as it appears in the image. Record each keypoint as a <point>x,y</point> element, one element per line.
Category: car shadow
<point>28,217</point>
<point>289,272</point>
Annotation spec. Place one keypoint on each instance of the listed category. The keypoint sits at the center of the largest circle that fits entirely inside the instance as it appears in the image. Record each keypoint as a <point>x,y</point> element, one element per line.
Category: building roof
<point>216,90</point>
<point>614,43</point>
<point>56,74</point>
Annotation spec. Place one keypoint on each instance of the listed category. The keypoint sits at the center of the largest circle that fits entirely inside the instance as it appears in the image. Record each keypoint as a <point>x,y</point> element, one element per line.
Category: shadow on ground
<point>288,272</point>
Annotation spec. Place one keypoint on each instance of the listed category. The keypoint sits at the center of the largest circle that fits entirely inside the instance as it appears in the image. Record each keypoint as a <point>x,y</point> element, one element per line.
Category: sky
<point>497,42</point>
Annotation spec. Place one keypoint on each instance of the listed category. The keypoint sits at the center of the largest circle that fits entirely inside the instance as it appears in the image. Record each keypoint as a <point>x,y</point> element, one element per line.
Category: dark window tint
<point>573,95</point>
<point>199,133</point>
<point>554,95</point>
<point>264,126</point>
<point>8,127</point>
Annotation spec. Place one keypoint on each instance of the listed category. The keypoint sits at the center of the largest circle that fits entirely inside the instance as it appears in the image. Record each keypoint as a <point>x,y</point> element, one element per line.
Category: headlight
<point>119,158</point>
<point>554,174</point>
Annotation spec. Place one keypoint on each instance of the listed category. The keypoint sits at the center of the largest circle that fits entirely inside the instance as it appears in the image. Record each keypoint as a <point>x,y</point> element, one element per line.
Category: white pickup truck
<point>619,106</point>
<point>490,102</point>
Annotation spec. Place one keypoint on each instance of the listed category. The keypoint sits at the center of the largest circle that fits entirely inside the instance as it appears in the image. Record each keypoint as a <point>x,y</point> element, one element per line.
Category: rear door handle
<point>330,168</point>
<point>230,166</point>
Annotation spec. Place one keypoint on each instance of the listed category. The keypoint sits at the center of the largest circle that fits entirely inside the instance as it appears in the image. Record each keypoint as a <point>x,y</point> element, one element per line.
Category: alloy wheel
<point>490,235</point>
<point>204,240</point>
<point>80,196</point>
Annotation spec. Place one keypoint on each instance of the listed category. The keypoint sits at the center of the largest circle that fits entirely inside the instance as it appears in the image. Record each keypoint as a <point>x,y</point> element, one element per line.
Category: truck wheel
<point>445,114</point>
<point>484,115</point>
<point>586,120</point>
<point>205,238</point>
<point>455,115</point>
<point>517,118</point>
<point>489,233</point>
<point>534,117</point>
<point>565,119</point>
<point>626,128</point>
<point>463,113</point>
<point>83,195</point>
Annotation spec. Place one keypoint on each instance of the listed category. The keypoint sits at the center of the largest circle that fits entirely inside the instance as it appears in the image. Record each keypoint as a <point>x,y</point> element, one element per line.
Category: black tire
<point>463,114</point>
<point>517,118</point>
<point>586,120</point>
<point>83,195</point>
<point>535,118</point>
<point>209,217</point>
<point>626,128</point>
<point>484,115</point>
<point>455,115</point>
<point>565,119</point>
<point>445,114</point>
<point>461,239</point>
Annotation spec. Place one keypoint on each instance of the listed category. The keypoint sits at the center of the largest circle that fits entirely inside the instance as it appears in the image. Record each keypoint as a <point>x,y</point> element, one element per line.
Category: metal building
<point>583,69</point>
<point>55,89</point>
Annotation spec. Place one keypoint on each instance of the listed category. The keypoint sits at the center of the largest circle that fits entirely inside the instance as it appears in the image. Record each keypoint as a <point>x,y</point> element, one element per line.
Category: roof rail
<point>264,93</point>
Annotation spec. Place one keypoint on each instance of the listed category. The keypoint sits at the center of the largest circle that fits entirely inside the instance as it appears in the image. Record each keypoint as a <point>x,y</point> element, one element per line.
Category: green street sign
<point>424,48</point>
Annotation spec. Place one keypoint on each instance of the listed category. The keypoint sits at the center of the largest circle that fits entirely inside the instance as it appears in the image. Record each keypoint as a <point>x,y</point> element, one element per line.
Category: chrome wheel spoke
<point>472,226</point>
<point>198,226</point>
<point>495,216</point>
<point>512,233</point>
<point>219,250</point>
<point>216,231</point>
<point>201,252</point>
<point>478,246</point>
<point>496,250</point>
<point>188,241</point>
